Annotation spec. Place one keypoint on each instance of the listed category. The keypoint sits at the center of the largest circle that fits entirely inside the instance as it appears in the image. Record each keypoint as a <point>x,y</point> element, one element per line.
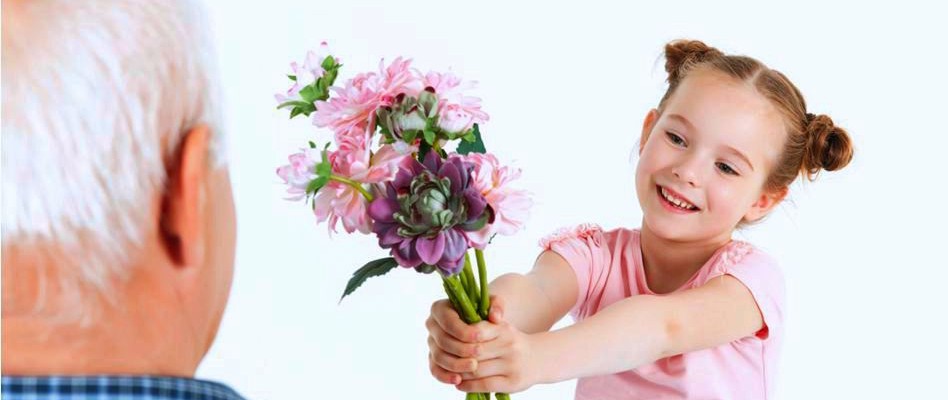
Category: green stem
<point>454,301</point>
<point>482,272</point>
<point>355,185</point>
<point>467,275</point>
<point>502,396</point>
<point>467,310</point>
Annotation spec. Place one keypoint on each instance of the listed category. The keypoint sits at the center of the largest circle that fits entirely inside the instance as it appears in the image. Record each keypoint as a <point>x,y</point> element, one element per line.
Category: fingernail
<point>456,380</point>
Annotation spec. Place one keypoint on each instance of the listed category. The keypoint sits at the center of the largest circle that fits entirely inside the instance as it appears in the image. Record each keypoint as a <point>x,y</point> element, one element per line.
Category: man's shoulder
<point>126,387</point>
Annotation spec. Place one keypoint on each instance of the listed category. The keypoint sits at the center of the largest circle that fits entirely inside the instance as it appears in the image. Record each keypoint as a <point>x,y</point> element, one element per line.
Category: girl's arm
<point>535,301</point>
<point>621,337</point>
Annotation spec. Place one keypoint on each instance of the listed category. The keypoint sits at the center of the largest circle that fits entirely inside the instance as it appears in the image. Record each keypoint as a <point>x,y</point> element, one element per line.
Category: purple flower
<point>426,212</point>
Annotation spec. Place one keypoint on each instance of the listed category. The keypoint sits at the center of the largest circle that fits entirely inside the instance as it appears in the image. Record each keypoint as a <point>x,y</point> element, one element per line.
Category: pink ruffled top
<point>609,268</point>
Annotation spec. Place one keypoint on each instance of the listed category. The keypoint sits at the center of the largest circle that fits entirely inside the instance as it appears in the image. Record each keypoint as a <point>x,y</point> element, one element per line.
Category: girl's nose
<point>686,172</point>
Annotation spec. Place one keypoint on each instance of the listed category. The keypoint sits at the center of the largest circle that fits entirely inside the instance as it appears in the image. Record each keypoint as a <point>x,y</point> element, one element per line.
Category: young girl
<point>675,309</point>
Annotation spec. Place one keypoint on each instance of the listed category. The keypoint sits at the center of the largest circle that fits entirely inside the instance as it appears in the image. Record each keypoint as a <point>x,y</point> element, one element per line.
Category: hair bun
<point>681,54</point>
<point>828,146</point>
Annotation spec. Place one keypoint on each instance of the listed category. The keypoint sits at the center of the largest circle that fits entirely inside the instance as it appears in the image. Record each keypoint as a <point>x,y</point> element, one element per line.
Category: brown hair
<point>813,142</point>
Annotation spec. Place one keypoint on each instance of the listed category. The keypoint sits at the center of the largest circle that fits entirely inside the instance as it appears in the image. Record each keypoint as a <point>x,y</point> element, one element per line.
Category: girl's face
<point>704,160</point>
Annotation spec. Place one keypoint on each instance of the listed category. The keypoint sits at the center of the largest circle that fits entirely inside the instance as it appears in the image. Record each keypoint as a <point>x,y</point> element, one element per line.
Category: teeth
<point>676,201</point>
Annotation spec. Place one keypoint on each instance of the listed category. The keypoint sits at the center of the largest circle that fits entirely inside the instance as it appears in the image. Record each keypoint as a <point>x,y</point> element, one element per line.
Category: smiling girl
<point>675,309</point>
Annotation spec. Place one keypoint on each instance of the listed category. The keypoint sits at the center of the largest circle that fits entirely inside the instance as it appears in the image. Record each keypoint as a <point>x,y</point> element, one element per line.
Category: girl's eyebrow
<point>741,155</point>
<point>690,126</point>
<point>683,120</point>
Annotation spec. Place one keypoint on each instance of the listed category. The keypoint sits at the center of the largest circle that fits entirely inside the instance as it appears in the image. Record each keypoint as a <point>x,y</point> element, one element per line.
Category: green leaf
<point>372,268</point>
<point>294,103</point>
<point>469,137</point>
<point>292,77</point>
<point>316,184</point>
<point>296,111</point>
<point>423,150</point>
<point>328,63</point>
<point>309,94</point>
<point>429,136</point>
<point>477,146</point>
<point>324,169</point>
<point>312,144</point>
<point>409,136</point>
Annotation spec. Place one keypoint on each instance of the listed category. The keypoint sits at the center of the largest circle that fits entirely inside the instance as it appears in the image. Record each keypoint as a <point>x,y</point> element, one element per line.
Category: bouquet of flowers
<point>390,174</point>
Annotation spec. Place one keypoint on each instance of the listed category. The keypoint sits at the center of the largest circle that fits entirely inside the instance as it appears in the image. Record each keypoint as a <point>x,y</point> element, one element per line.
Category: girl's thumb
<point>496,310</point>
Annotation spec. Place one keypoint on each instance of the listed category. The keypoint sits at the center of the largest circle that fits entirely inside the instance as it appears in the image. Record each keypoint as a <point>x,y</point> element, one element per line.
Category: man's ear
<point>183,211</point>
<point>650,119</point>
<point>765,202</point>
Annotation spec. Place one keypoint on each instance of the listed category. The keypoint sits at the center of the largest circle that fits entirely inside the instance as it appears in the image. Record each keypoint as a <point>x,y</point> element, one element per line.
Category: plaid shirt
<point>112,388</point>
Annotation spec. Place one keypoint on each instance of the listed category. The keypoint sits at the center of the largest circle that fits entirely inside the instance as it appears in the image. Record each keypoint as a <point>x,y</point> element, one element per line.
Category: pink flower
<point>309,72</point>
<point>511,206</point>
<point>299,172</point>
<point>338,201</point>
<point>356,102</point>
<point>457,112</point>
<point>455,119</point>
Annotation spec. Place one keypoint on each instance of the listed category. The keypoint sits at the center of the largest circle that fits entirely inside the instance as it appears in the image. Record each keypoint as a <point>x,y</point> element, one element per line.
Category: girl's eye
<point>677,140</point>
<point>726,169</point>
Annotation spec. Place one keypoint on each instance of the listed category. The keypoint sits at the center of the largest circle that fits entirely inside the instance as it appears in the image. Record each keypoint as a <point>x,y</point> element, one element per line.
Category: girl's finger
<point>453,346</point>
<point>451,322</point>
<point>441,374</point>
<point>452,363</point>
<point>486,369</point>
<point>485,385</point>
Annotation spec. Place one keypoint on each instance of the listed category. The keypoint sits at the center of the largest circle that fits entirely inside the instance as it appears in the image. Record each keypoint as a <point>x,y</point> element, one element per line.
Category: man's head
<point>118,220</point>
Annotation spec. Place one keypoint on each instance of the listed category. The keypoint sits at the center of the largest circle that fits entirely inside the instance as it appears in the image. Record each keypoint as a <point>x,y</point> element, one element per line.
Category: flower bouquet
<point>391,175</point>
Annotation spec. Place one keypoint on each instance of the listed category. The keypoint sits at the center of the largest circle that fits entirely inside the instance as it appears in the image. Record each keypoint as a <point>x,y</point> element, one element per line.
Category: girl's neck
<point>668,264</point>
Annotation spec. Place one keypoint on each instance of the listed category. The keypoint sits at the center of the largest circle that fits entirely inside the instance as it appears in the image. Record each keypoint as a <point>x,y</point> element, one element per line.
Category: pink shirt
<point>609,268</point>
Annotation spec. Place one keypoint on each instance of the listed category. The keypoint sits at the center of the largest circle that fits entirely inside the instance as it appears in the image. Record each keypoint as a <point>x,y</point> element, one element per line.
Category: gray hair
<point>96,97</point>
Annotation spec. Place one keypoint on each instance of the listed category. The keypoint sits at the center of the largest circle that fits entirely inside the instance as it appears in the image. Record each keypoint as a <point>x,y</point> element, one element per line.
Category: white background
<point>566,87</point>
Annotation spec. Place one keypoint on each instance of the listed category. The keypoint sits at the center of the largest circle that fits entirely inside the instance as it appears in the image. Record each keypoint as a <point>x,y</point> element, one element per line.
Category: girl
<point>675,308</point>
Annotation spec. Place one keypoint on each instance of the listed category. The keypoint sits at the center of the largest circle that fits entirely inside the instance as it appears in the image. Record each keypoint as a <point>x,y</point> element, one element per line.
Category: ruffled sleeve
<point>761,274</point>
<point>582,247</point>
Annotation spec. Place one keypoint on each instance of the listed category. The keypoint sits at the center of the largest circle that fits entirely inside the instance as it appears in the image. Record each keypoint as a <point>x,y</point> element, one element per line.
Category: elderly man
<point>118,220</point>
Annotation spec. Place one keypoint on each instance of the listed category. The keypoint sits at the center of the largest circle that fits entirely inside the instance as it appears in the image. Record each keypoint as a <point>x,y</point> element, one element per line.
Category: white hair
<point>96,97</point>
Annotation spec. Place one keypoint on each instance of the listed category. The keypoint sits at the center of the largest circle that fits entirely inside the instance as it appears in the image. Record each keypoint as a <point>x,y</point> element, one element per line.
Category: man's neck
<point>142,333</point>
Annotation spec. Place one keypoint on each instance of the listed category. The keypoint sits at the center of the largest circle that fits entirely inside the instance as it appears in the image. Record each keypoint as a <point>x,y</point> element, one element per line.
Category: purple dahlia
<point>426,210</point>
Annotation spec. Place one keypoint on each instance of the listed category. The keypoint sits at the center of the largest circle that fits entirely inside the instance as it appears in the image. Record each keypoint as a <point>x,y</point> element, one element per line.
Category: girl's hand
<point>503,361</point>
<point>454,345</point>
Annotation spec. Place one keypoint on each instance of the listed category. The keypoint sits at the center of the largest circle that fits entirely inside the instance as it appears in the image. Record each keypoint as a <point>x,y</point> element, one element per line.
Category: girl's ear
<point>765,202</point>
<point>650,119</point>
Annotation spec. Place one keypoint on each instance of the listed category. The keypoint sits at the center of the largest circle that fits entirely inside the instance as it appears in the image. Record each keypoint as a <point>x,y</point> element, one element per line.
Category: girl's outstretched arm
<point>625,335</point>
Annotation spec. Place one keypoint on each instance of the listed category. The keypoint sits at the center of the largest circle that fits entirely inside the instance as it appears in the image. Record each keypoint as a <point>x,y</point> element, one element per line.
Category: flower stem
<point>355,185</point>
<point>467,309</point>
<point>469,282</point>
<point>482,272</point>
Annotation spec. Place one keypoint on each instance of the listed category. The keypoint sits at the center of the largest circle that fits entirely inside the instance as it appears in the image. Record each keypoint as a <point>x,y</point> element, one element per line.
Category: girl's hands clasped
<point>490,356</point>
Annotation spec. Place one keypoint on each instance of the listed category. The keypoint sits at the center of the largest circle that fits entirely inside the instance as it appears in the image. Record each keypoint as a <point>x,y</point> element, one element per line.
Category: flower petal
<point>382,209</point>
<point>390,237</point>
<point>455,245</point>
<point>406,255</point>
<point>475,203</point>
<point>450,170</point>
<point>430,250</point>
<point>432,161</point>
